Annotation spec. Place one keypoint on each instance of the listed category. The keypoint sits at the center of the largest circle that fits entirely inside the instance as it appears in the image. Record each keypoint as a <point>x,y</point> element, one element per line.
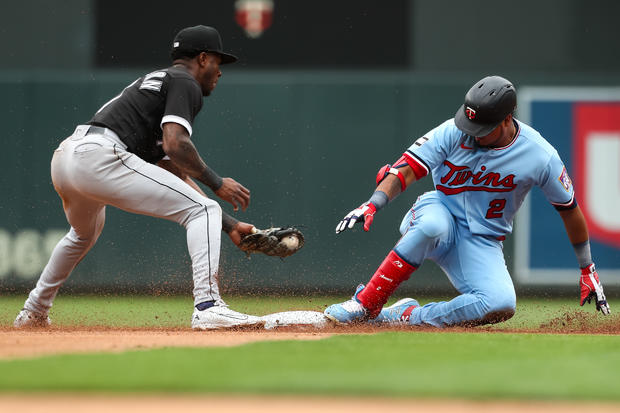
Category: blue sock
<point>204,305</point>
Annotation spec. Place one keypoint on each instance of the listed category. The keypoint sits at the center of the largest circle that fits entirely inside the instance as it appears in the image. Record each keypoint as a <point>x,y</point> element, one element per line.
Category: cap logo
<point>470,113</point>
<point>175,44</point>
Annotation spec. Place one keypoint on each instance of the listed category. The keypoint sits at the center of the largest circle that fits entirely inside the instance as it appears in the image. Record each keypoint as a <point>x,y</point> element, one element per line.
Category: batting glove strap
<point>591,288</point>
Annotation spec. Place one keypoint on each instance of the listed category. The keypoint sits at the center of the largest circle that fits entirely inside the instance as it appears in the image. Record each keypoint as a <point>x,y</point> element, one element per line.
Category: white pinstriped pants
<point>95,170</point>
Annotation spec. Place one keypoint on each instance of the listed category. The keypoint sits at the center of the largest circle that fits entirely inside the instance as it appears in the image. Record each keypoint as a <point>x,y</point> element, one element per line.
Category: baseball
<point>291,241</point>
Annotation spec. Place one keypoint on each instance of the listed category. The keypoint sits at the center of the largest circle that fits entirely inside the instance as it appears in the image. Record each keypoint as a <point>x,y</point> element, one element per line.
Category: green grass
<point>484,365</point>
<point>143,311</point>
<point>461,365</point>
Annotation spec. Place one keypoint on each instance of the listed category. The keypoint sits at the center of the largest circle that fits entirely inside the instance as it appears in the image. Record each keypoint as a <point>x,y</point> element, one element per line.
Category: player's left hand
<point>365,213</point>
<point>240,230</point>
<point>591,288</point>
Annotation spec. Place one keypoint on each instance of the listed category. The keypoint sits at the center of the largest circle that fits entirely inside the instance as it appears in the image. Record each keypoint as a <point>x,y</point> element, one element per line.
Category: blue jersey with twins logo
<point>485,187</point>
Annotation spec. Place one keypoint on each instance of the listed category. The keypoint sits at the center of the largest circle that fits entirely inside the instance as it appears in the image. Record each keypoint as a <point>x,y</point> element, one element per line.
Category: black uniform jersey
<point>138,113</point>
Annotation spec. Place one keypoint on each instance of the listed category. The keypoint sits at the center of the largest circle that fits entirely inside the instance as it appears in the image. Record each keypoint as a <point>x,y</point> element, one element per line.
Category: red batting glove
<point>591,288</point>
<point>365,213</point>
<point>369,216</point>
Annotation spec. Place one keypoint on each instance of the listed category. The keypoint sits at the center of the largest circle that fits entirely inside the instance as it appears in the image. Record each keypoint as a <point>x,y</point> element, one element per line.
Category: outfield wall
<point>307,144</point>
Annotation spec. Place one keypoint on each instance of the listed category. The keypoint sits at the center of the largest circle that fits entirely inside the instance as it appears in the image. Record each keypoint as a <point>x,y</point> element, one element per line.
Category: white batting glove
<point>365,213</point>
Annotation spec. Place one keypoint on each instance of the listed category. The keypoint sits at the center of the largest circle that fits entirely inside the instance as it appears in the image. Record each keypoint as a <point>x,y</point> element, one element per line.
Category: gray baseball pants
<point>92,170</point>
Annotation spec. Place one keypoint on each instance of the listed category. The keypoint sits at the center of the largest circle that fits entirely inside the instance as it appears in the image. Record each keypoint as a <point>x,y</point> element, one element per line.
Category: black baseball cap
<point>191,41</point>
<point>487,104</point>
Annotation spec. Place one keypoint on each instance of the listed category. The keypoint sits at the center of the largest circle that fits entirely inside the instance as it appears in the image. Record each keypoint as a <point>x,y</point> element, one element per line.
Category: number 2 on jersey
<point>495,208</point>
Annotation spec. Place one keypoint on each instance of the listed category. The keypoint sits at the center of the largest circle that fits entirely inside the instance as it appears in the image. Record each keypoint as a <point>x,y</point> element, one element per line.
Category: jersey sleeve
<point>557,185</point>
<point>432,149</point>
<point>183,102</point>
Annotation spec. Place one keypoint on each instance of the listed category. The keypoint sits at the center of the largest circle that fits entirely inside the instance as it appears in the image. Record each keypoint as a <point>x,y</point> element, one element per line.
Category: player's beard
<point>211,77</point>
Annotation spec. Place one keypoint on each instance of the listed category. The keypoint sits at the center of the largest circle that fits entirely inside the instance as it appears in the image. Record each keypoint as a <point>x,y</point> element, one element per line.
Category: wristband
<point>228,222</point>
<point>210,178</point>
<point>379,199</point>
<point>584,256</point>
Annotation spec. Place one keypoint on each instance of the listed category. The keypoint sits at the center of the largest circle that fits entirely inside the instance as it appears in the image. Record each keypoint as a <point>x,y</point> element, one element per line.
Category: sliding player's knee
<point>498,316</point>
<point>433,226</point>
<point>407,222</point>
<point>499,306</point>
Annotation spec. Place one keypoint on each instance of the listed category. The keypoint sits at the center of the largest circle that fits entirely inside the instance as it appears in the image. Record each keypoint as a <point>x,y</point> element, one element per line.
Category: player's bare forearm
<point>575,224</point>
<point>171,167</point>
<point>181,150</point>
<point>391,185</point>
<point>189,181</point>
<point>183,153</point>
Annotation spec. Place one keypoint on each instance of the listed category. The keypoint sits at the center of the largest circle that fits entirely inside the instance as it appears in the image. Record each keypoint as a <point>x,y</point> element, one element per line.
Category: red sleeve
<point>419,169</point>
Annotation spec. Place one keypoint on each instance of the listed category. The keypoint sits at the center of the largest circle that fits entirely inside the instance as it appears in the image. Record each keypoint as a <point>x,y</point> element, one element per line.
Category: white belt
<point>97,134</point>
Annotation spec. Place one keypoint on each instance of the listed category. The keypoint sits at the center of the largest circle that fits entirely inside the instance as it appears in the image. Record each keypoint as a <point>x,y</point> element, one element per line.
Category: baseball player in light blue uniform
<point>483,164</point>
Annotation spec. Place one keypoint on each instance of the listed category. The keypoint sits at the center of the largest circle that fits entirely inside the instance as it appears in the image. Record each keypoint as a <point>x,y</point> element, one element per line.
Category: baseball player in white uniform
<point>483,163</point>
<point>136,154</point>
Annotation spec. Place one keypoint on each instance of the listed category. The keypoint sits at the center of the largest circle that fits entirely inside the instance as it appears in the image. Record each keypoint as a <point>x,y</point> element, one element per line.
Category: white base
<point>295,319</point>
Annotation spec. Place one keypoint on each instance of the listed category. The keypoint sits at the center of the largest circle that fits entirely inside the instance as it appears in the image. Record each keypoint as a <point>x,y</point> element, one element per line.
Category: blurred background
<point>325,93</point>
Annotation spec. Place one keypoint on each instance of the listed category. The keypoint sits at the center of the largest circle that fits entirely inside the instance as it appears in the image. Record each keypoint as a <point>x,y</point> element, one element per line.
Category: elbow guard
<point>384,171</point>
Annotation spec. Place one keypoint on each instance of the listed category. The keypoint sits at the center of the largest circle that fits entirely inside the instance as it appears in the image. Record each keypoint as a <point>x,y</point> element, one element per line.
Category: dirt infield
<point>275,404</point>
<point>64,340</point>
<point>33,342</point>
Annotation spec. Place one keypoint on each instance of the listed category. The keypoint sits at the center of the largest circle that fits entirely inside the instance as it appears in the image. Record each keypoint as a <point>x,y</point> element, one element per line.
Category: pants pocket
<point>86,147</point>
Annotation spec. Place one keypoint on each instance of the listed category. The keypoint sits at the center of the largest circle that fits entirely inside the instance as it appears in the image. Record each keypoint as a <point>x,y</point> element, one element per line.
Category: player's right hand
<point>240,230</point>
<point>591,288</point>
<point>365,213</point>
<point>235,193</point>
